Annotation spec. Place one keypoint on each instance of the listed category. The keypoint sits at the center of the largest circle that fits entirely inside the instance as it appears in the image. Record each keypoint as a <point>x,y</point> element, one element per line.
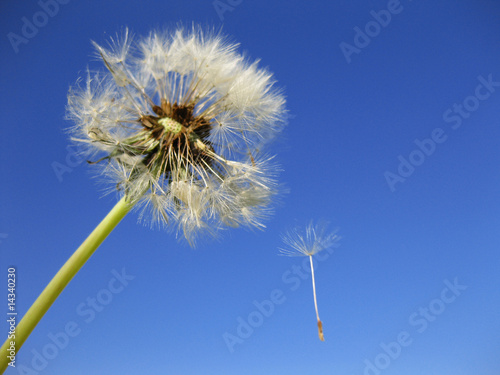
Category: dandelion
<point>177,122</point>
<point>315,239</point>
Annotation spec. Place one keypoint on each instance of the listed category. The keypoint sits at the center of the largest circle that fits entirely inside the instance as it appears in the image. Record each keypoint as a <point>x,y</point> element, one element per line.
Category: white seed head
<point>177,122</point>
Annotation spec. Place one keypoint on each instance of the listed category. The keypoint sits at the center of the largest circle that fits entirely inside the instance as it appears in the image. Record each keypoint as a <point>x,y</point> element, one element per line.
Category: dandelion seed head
<point>176,121</point>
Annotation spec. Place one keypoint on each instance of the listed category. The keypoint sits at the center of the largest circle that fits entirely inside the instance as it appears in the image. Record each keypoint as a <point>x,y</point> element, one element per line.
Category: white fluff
<point>202,175</point>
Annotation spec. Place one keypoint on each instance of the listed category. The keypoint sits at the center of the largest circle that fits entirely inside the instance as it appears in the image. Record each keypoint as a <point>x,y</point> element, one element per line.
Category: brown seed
<point>320,331</point>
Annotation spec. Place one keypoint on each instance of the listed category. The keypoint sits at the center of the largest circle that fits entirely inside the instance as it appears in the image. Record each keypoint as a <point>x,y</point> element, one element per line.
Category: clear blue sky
<point>423,89</point>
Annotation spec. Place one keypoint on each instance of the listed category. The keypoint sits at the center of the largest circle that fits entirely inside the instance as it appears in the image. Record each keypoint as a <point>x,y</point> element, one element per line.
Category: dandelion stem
<point>62,278</point>
<point>320,324</point>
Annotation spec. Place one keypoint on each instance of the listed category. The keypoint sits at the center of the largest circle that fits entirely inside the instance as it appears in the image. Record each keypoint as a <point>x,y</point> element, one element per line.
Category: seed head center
<point>170,125</point>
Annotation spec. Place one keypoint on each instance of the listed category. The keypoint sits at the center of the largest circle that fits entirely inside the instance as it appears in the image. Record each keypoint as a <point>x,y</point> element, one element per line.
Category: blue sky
<point>393,138</point>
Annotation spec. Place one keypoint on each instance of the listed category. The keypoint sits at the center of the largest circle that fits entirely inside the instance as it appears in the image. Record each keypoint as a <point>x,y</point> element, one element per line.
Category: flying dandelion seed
<point>176,123</point>
<point>315,239</point>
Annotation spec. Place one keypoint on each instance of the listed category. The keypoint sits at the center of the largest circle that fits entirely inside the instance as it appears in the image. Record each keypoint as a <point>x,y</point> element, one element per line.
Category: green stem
<point>63,277</point>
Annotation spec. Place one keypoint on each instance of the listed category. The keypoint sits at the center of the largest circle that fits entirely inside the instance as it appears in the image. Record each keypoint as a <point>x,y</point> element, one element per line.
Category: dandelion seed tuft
<point>309,241</point>
<point>312,240</point>
<point>177,121</point>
